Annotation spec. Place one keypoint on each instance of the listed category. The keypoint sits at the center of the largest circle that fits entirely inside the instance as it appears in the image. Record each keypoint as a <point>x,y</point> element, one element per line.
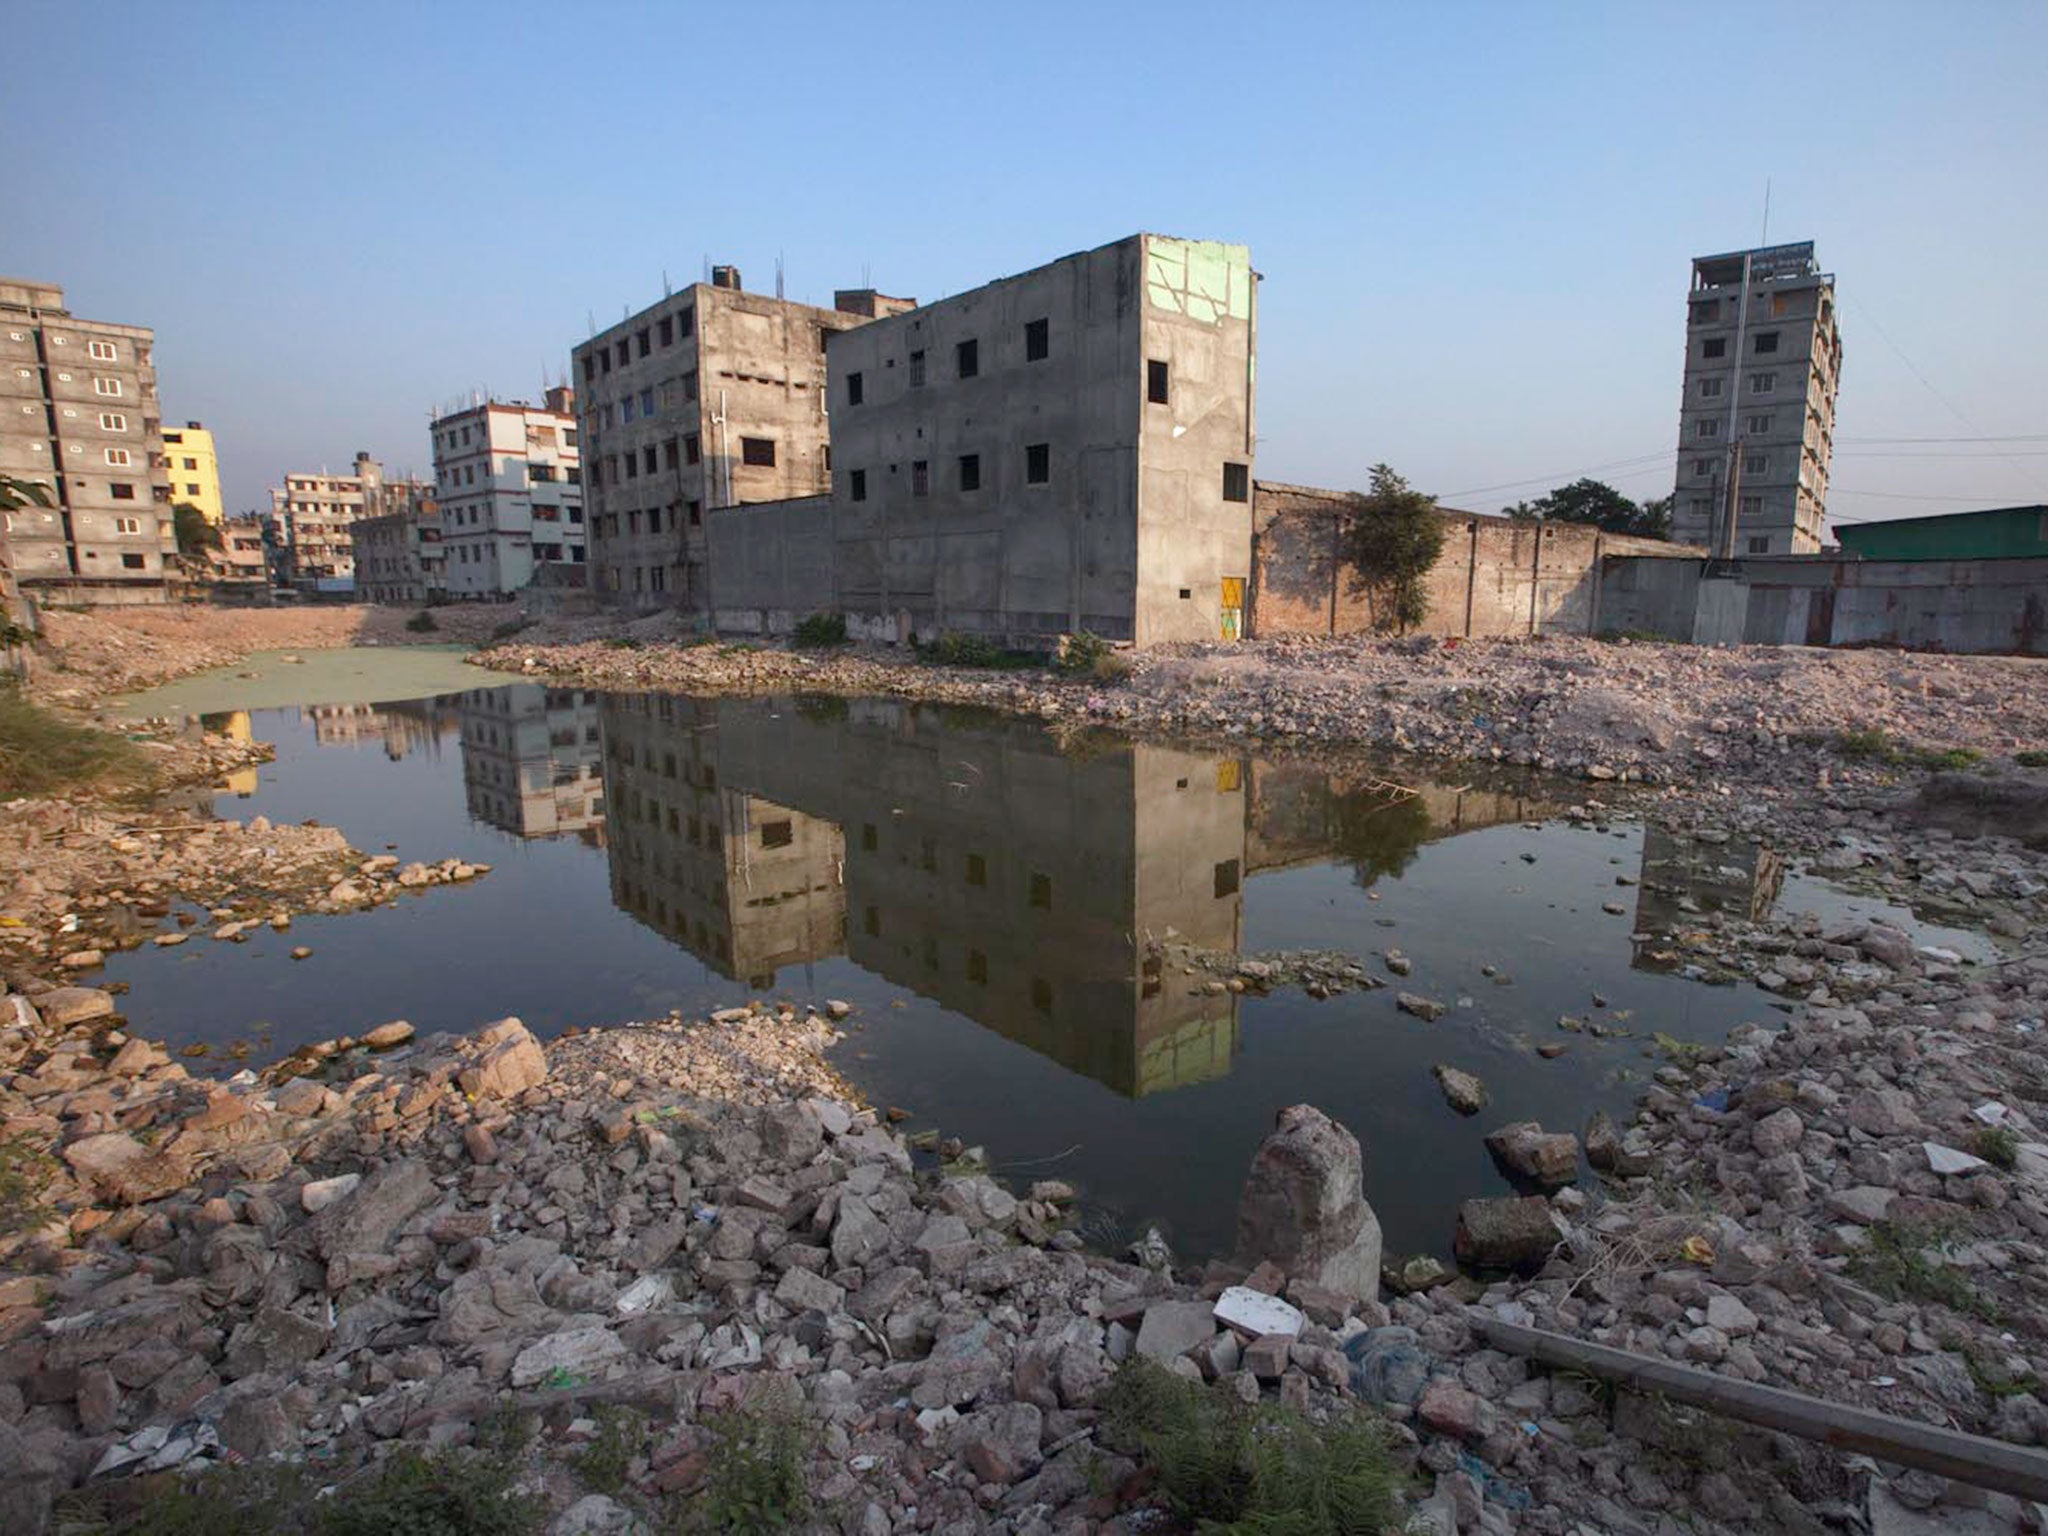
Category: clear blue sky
<point>1474,220</point>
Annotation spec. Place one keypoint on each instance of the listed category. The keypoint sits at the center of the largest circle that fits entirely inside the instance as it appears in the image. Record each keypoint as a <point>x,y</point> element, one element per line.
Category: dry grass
<point>43,753</point>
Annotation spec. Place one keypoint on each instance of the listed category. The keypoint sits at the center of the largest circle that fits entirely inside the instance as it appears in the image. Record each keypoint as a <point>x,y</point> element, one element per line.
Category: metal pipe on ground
<point>1972,1459</point>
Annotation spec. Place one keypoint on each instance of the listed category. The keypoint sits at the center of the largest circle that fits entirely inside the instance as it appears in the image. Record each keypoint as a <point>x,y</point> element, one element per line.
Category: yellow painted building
<point>194,471</point>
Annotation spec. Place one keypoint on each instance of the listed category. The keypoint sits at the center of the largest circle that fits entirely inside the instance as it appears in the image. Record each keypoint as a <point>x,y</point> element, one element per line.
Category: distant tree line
<point>1598,505</point>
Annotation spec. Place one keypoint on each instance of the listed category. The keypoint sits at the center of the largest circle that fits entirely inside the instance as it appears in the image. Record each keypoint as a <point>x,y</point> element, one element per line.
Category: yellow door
<point>1233,607</point>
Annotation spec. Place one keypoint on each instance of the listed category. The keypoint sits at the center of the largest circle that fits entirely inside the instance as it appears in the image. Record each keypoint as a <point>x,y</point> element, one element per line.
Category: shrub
<point>757,1478</point>
<point>422,623</point>
<point>605,1461</point>
<point>1903,1262</point>
<point>623,643</point>
<point>25,1172</point>
<point>1872,744</point>
<point>1998,1145</point>
<point>968,651</point>
<point>42,753</point>
<point>1227,1467</point>
<point>446,1493</point>
<point>822,629</point>
<point>1081,652</point>
<point>2033,757</point>
<point>1393,539</point>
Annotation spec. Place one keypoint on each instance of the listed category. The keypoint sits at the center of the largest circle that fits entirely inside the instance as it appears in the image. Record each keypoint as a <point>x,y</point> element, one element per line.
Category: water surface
<point>1003,907</point>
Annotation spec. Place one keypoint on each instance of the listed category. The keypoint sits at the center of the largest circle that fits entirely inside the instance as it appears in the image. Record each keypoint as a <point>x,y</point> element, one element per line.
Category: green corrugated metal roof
<point>1994,534</point>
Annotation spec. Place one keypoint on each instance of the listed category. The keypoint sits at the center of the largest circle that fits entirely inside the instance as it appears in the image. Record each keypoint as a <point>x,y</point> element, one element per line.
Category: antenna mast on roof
<point>666,291</point>
<point>1766,238</point>
<point>778,274</point>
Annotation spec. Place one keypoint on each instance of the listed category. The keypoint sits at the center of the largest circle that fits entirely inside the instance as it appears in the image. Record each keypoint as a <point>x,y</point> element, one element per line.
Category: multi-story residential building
<point>400,557</point>
<point>531,760</point>
<point>1065,450</point>
<point>240,557</point>
<point>1763,362</point>
<point>194,471</point>
<point>511,491</point>
<point>79,415</point>
<point>311,514</point>
<point>708,399</point>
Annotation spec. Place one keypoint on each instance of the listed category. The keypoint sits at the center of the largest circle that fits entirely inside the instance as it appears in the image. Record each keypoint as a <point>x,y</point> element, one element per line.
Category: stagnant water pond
<point>990,898</point>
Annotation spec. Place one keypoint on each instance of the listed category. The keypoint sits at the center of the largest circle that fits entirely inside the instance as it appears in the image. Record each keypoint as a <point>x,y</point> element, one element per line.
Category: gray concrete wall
<point>773,564</point>
<point>1200,319</point>
<point>1963,606</point>
<point>1012,559</point>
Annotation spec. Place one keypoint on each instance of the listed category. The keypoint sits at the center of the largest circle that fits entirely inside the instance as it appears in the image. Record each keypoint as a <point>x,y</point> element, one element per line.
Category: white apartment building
<point>511,494</point>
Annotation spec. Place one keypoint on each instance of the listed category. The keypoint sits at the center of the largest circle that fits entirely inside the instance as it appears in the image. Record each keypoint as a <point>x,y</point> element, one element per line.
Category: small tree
<point>1394,539</point>
<point>195,533</point>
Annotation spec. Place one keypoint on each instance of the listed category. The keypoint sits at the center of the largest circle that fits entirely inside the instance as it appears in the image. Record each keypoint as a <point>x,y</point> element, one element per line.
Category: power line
<point>2021,437</point>
<point>1843,490</point>
<point>1645,460</point>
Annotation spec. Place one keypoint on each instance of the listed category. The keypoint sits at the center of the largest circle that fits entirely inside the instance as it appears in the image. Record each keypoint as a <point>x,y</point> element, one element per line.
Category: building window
<point>1761,423</point>
<point>1038,463</point>
<point>1237,482</point>
<point>921,477</point>
<point>1701,468</point>
<point>625,351</point>
<point>777,834</point>
<point>917,370</point>
<point>132,562</point>
<point>1226,878</point>
<point>1155,381</point>
<point>758,451</point>
<point>1705,311</point>
<point>113,421</point>
<point>646,346</point>
<point>967,359</point>
<point>646,402</point>
<point>977,967</point>
<point>657,578</point>
<point>686,320</point>
<point>1760,545</point>
<point>970,471</point>
<point>1766,341</point>
<point>696,510</point>
<point>1756,463</point>
<point>119,457</point>
<point>693,449</point>
<point>671,454</point>
<point>1714,346</point>
<point>127,525</point>
<point>1700,507</point>
<point>190,463</point>
<point>1710,389</point>
<point>1762,383</point>
<point>101,351</point>
<point>667,328</point>
<point>690,385</point>
<point>111,388</point>
<point>977,869</point>
<point>856,485</point>
<point>1037,340</point>
<point>854,391</point>
<point>1707,426</point>
<point>122,492</point>
<point>1752,506</point>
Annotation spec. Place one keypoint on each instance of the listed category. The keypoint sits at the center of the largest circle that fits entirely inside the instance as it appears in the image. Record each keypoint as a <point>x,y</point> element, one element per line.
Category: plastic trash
<point>1389,1365</point>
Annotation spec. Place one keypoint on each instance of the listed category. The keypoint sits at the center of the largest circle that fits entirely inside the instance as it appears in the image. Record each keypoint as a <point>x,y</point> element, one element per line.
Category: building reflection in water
<point>530,760</point>
<point>1684,879</point>
<point>969,858</point>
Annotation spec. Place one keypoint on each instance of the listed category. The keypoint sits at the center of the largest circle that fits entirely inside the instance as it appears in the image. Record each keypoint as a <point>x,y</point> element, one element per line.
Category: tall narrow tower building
<point>1763,361</point>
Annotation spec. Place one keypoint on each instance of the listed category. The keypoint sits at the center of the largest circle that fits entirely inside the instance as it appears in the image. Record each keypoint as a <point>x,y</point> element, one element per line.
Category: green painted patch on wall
<point>1204,280</point>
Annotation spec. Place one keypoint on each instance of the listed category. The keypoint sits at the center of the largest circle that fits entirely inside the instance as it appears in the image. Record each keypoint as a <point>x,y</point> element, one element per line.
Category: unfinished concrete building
<point>530,760</point>
<point>79,415</point>
<point>1068,449</point>
<point>510,480</point>
<point>711,398</point>
<point>1763,361</point>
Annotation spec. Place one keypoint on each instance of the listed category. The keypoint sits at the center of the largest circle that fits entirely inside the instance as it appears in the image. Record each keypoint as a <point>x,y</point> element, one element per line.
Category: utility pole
<point>1733,480</point>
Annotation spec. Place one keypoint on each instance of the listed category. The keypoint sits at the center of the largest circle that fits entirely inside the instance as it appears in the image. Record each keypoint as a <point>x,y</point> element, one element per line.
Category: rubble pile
<point>1609,710</point>
<point>87,881</point>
